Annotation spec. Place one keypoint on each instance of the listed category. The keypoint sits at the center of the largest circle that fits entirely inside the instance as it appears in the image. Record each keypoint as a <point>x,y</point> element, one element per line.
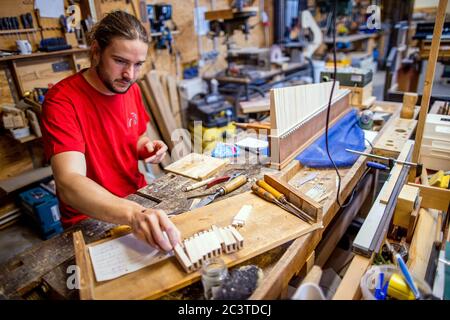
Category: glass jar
<point>213,271</point>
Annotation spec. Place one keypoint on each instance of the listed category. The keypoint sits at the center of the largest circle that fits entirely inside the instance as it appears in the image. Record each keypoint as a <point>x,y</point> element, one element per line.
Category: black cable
<point>334,23</point>
<point>328,122</point>
<point>370,143</point>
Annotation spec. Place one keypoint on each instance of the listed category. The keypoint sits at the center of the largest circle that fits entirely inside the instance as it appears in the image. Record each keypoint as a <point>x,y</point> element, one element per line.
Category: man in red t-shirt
<point>94,127</point>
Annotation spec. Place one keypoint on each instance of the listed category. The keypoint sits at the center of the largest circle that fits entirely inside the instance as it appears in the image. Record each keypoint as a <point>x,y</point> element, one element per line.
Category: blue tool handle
<point>376,165</point>
<point>407,275</point>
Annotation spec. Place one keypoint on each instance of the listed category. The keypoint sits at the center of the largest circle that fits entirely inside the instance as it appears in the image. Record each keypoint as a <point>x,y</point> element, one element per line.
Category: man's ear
<point>95,53</point>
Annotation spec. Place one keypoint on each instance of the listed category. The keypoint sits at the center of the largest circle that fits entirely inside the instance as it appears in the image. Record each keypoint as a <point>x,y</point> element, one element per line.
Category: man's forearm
<point>88,197</point>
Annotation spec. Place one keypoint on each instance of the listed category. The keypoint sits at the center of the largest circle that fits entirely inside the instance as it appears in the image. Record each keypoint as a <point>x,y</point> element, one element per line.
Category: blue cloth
<point>225,151</point>
<point>345,134</point>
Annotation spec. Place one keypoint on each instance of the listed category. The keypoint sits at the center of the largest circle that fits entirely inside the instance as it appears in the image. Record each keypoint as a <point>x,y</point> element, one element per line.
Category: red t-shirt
<point>105,128</point>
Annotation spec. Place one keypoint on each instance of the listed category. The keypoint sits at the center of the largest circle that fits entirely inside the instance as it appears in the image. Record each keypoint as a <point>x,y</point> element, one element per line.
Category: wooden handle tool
<point>233,184</point>
<point>278,195</point>
<point>198,184</point>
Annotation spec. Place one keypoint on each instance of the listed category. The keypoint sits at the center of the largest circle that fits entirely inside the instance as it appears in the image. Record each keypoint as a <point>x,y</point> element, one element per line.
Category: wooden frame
<point>284,149</point>
<point>298,198</point>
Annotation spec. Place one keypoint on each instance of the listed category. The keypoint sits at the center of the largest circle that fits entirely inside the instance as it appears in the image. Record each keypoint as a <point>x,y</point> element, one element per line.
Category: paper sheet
<point>121,256</point>
<point>50,8</point>
<point>252,143</point>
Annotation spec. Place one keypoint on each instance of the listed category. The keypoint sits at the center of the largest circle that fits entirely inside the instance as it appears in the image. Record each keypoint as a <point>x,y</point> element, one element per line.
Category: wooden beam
<point>84,271</point>
<point>422,242</point>
<point>428,83</point>
<point>349,288</point>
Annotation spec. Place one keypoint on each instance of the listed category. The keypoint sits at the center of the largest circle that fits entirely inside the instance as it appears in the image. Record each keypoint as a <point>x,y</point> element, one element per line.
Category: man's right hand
<point>149,224</point>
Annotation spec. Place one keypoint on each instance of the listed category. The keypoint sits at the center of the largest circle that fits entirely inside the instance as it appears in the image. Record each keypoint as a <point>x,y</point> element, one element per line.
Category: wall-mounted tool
<point>227,188</point>
<point>159,15</point>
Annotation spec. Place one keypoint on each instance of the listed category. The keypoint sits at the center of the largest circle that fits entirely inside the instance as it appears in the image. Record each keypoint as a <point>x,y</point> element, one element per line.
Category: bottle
<point>213,272</point>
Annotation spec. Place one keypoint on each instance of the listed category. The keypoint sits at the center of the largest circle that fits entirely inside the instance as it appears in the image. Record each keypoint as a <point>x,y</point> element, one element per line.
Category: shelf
<point>18,31</point>
<point>29,138</point>
<point>43,54</point>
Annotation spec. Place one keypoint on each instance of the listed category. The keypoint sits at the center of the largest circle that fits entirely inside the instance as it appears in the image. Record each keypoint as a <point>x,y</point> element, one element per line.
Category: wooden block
<point>237,236</point>
<point>422,242</point>
<point>408,197</point>
<point>409,103</point>
<point>406,203</point>
<point>197,166</point>
<point>182,258</point>
<point>192,252</point>
<point>242,216</point>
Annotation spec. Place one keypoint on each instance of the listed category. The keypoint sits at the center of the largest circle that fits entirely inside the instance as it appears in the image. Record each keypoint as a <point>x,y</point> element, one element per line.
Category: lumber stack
<point>161,95</point>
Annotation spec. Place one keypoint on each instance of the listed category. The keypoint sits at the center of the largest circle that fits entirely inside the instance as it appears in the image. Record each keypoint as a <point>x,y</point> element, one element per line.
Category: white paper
<point>252,143</point>
<point>120,256</point>
<point>50,8</point>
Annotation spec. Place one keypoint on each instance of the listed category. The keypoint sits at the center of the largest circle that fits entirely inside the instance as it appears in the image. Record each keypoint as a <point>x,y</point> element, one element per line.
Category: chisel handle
<point>234,184</point>
<point>278,195</point>
<point>263,193</point>
<point>198,184</point>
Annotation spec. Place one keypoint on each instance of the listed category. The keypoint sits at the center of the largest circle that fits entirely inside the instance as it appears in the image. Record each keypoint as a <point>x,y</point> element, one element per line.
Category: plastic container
<point>370,279</point>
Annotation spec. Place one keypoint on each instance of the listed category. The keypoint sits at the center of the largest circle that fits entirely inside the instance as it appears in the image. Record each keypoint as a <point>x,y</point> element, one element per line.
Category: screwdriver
<point>282,198</point>
<point>269,197</point>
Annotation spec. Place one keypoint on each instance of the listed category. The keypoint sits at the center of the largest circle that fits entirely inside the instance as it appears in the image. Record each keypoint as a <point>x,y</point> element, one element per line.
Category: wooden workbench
<point>44,270</point>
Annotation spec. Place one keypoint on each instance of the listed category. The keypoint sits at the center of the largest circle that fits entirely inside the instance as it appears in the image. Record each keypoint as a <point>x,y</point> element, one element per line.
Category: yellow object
<point>119,230</point>
<point>444,182</point>
<point>436,179</point>
<point>398,289</point>
<point>210,136</point>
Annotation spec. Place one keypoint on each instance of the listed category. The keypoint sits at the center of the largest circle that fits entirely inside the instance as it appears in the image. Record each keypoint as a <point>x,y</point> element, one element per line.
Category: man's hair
<point>117,24</point>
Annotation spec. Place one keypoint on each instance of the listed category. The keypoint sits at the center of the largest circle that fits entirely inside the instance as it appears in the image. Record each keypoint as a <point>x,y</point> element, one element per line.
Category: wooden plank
<point>340,225</point>
<point>349,288</point>
<point>391,142</point>
<point>428,83</point>
<point>166,122</point>
<point>268,227</point>
<point>422,242</point>
<point>219,14</point>
<point>173,98</point>
<point>197,166</point>
<point>433,197</point>
<point>85,273</point>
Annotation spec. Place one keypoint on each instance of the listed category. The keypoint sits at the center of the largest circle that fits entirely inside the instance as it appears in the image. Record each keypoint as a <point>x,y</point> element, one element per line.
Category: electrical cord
<point>333,25</point>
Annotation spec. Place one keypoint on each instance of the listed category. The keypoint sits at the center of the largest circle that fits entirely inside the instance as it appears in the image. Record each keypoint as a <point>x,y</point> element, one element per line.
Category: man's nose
<point>128,72</point>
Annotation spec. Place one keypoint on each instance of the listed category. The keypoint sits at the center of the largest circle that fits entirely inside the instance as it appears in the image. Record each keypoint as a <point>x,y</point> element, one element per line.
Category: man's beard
<point>108,83</point>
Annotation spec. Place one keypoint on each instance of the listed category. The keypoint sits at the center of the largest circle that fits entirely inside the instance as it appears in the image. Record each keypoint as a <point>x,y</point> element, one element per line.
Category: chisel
<point>282,198</point>
<point>269,197</point>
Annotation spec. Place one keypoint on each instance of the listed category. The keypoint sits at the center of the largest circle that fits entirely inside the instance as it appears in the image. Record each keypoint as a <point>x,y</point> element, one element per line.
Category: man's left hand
<point>154,151</point>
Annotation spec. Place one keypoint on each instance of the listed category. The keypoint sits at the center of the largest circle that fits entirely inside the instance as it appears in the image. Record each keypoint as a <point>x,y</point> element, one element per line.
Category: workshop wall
<point>40,73</point>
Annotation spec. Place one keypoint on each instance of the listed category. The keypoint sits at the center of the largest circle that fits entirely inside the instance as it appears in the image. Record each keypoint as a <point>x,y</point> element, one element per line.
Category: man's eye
<point>120,61</point>
<point>138,65</point>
